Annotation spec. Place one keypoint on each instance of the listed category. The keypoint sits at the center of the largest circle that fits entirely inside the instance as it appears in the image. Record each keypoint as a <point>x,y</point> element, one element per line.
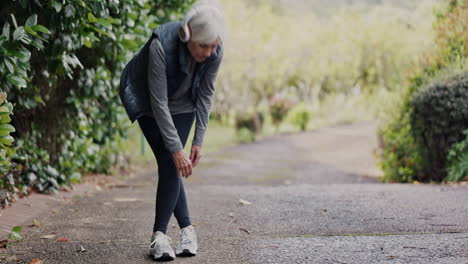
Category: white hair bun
<point>204,22</point>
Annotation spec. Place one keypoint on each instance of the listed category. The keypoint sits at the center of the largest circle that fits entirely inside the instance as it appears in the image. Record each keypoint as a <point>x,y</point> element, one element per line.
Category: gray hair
<point>206,21</point>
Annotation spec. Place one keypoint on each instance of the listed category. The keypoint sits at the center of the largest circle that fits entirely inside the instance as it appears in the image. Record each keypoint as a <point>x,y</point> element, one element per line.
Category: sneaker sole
<point>164,257</point>
<point>187,253</point>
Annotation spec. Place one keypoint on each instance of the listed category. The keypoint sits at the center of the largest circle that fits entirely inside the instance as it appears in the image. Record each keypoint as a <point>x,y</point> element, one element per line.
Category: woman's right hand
<point>182,163</point>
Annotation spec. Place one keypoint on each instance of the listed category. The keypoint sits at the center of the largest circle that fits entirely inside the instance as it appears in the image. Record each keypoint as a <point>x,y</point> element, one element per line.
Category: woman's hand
<point>195,155</point>
<point>182,163</point>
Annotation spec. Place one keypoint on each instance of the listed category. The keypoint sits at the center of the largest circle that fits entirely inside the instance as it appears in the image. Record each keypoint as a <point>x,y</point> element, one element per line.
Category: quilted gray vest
<point>133,89</point>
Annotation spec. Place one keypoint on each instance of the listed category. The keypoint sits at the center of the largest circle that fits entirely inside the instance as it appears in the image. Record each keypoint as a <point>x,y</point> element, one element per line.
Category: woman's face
<point>201,52</point>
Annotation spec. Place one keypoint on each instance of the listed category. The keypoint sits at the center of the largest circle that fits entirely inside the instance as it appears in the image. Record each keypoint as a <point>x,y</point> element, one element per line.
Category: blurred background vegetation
<point>289,65</point>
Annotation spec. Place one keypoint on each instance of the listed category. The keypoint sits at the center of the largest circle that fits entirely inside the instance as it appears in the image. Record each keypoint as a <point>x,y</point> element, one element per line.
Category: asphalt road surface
<point>314,199</point>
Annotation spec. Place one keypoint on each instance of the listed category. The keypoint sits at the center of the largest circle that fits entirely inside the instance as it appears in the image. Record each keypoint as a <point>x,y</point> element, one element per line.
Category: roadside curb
<point>37,205</point>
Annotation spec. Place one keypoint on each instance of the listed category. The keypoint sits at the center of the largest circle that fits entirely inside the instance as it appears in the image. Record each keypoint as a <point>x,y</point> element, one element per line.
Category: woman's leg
<point>170,195</point>
<point>181,212</point>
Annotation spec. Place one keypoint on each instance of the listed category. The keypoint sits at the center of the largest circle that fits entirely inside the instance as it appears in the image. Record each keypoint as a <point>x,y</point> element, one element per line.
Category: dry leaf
<point>245,230</point>
<point>36,223</point>
<point>125,199</point>
<point>62,239</point>
<point>82,249</point>
<point>3,97</point>
<point>3,243</point>
<point>244,202</point>
<point>36,261</point>
<point>47,236</point>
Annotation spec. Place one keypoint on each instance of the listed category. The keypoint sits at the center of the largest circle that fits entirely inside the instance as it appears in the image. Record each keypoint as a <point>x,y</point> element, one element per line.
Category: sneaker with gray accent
<point>160,247</point>
<point>187,245</point>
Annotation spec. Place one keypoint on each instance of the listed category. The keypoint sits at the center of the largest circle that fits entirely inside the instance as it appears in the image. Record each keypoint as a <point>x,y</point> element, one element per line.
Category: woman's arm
<point>157,85</point>
<point>203,105</point>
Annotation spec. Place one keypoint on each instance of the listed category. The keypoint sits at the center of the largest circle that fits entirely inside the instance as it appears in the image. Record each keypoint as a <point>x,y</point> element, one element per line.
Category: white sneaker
<point>187,245</point>
<point>160,247</point>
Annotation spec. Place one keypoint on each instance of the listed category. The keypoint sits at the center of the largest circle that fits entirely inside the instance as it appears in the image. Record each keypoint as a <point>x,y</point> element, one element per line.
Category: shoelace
<point>160,238</point>
<point>184,235</point>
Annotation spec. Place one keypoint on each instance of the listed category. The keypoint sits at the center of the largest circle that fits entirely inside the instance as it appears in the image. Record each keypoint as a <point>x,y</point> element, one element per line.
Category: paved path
<point>311,203</point>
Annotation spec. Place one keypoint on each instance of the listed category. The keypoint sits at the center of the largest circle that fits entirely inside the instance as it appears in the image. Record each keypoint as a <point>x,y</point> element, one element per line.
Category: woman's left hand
<point>195,155</point>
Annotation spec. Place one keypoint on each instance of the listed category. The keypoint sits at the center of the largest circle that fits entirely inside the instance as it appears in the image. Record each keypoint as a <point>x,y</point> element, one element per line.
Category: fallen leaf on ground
<point>287,182</point>
<point>62,239</point>
<point>125,199</point>
<point>36,223</point>
<point>442,224</point>
<point>36,261</point>
<point>47,236</point>
<point>244,202</point>
<point>15,233</point>
<point>3,243</point>
<point>270,246</point>
<point>82,249</point>
<point>245,230</point>
<point>414,247</point>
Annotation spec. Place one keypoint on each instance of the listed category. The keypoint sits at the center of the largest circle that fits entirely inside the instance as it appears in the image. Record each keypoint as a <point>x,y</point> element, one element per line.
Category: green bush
<point>457,160</point>
<point>405,155</point>
<point>279,108</point>
<point>438,119</point>
<point>248,125</point>
<point>6,140</point>
<point>300,116</point>
<point>400,158</point>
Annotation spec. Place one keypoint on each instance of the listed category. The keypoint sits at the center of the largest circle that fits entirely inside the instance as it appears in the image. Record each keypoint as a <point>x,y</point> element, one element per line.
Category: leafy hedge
<point>60,63</point>
<point>457,160</point>
<point>406,152</point>
<point>438,119</point>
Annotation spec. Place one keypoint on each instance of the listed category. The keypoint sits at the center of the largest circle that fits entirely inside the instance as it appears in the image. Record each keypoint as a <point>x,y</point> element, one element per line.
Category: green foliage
<point>401,160</point>
<point>248,125</point>
<point>245,135</point>
<point>15,234</point>
<point>60,64</point>
<point>356,50</point>
<point>409,151</point>
<point>457,160</point>
<point>6,140</point>
<point>279,108</point>
<point>438,120</point>
<point>300,116</point>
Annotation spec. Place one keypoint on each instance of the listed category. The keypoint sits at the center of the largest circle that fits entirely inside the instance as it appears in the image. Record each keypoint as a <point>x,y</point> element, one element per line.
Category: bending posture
<point>176,87</point>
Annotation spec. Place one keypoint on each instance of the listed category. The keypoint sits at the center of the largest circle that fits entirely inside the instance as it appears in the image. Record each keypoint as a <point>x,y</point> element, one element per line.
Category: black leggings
<point>170,195</point>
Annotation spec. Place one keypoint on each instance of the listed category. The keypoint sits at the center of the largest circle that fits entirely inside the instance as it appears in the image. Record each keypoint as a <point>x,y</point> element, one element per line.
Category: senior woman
<point>166,86</point>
